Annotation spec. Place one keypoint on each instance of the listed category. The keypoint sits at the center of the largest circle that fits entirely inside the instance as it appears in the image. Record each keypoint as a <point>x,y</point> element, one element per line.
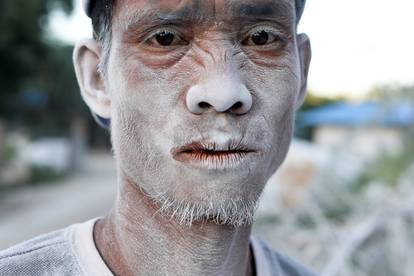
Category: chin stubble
<point>234,212</point>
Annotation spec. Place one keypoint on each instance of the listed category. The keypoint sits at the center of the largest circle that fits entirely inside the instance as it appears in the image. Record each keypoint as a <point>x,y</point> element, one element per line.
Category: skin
<point>181,210</point>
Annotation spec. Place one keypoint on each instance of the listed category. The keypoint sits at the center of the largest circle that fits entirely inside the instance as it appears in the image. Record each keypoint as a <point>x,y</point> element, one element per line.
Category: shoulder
<point>49,254</point>
<point>272,262</point>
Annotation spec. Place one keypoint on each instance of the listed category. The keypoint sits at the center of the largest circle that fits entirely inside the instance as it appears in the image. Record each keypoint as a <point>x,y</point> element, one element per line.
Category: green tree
<point>36,74</point>
<point>392,92</point>
<point>314,101</point>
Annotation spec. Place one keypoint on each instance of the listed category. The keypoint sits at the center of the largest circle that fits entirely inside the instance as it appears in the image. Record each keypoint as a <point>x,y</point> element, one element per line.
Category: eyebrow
<point>189,14</point>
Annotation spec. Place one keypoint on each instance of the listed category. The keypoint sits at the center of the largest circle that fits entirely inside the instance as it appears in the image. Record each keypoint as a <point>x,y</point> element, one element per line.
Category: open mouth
<point>211,155</point>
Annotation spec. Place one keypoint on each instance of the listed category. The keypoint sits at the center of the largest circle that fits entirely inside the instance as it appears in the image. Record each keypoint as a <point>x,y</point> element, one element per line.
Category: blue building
<point>360,115</point>
<point>367,128</point>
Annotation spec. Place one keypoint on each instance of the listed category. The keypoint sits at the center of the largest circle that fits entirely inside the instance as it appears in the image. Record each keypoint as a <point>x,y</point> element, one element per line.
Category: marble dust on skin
<point>159,83</point>
<point>149,117</point>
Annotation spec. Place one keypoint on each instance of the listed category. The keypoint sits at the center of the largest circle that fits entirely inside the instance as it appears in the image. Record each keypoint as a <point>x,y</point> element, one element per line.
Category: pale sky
<point>356,43</point>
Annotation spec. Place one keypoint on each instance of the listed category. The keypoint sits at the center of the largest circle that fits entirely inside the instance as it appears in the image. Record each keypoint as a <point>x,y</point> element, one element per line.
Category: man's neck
<point>134,239</point>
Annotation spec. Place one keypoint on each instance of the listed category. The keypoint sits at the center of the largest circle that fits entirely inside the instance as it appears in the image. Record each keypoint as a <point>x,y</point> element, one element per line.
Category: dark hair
<point>101,16</point>
<point>299,5</point>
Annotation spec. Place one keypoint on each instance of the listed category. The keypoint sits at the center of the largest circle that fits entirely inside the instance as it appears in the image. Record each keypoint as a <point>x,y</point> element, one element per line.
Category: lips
<point>212,155</point>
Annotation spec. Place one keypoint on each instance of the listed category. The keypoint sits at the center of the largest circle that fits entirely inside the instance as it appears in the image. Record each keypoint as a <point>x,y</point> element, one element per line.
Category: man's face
<point>203,95</point>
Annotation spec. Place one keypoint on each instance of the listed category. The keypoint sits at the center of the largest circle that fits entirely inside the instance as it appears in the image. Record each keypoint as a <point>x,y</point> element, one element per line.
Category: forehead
<point>130,10</point>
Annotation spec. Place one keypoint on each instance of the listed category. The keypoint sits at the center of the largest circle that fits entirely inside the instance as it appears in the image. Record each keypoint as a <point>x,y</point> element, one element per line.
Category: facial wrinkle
<point>205,51</point>
<point>217,55</point>
<point>241,59</point>
<point>162,12</point>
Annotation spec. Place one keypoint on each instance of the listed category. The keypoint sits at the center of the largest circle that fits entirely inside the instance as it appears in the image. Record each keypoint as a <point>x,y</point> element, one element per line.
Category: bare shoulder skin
<point>202,96</point>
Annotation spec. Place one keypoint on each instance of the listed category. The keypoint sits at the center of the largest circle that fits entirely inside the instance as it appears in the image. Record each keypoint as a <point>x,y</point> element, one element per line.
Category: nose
<point>223,94</point>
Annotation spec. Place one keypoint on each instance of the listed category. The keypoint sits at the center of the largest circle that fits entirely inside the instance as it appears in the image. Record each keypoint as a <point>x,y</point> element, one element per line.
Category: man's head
<point>201,95</point>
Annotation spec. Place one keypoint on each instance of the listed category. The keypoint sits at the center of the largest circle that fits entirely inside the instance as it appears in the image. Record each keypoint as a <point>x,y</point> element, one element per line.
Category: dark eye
<point>261,38</point>
<point>165,38</point>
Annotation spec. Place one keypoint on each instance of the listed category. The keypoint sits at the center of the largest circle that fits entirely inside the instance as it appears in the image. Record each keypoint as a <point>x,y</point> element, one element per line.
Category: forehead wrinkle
<point>203,11</point>
<point>193,11</point>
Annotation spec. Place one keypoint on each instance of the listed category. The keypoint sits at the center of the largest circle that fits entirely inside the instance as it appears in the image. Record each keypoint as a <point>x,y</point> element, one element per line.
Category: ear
<point>86,58</point>
<point>305,54</point>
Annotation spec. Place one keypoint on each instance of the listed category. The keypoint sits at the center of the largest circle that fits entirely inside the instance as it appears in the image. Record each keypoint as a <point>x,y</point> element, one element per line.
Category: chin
<point>230,209</point>
<point>209,196</point>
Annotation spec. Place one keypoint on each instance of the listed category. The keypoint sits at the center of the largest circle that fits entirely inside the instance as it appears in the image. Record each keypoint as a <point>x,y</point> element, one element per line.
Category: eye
<point>166,38</point>
<point>261,37</point>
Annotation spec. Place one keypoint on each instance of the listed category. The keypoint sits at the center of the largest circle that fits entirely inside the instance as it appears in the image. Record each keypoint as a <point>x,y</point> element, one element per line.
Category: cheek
<point>155,91</point>
<point>146,104</point>
<point>135,151</point>
<point>275,86</point>
<point>275,92</point>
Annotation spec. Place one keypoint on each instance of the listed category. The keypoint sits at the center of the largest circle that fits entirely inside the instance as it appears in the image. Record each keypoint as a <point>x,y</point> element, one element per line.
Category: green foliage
<point>313,101</point>
<point>305,220</point>
<point>267,219</point>
<point>388,168</point>
<point>37,84</point>
<point>44,175</point>
<point>10,152</point>
<point>22,47</point>
<point>392,92</point>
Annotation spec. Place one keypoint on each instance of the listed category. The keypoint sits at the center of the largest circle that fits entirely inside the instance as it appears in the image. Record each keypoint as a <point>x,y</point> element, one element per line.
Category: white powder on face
<point>150,118</point>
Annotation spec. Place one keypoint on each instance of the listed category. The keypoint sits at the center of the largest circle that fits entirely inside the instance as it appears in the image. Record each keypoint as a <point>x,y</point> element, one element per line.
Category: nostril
<point>237,105</point>
<point>204,105</point>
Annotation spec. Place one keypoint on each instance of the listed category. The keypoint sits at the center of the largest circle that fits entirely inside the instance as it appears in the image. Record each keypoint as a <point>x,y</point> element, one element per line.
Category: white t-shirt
<point>72,251</point>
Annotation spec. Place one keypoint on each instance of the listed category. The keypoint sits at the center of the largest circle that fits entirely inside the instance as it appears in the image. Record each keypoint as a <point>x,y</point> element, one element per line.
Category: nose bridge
<point>217,54</point>
<point>220,86</point>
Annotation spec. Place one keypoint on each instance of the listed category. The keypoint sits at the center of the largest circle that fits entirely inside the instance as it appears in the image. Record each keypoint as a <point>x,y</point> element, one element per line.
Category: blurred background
<point>342,203</point>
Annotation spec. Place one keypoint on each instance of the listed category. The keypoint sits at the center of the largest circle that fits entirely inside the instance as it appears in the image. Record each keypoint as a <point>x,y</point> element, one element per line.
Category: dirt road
<point>34,210</point>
